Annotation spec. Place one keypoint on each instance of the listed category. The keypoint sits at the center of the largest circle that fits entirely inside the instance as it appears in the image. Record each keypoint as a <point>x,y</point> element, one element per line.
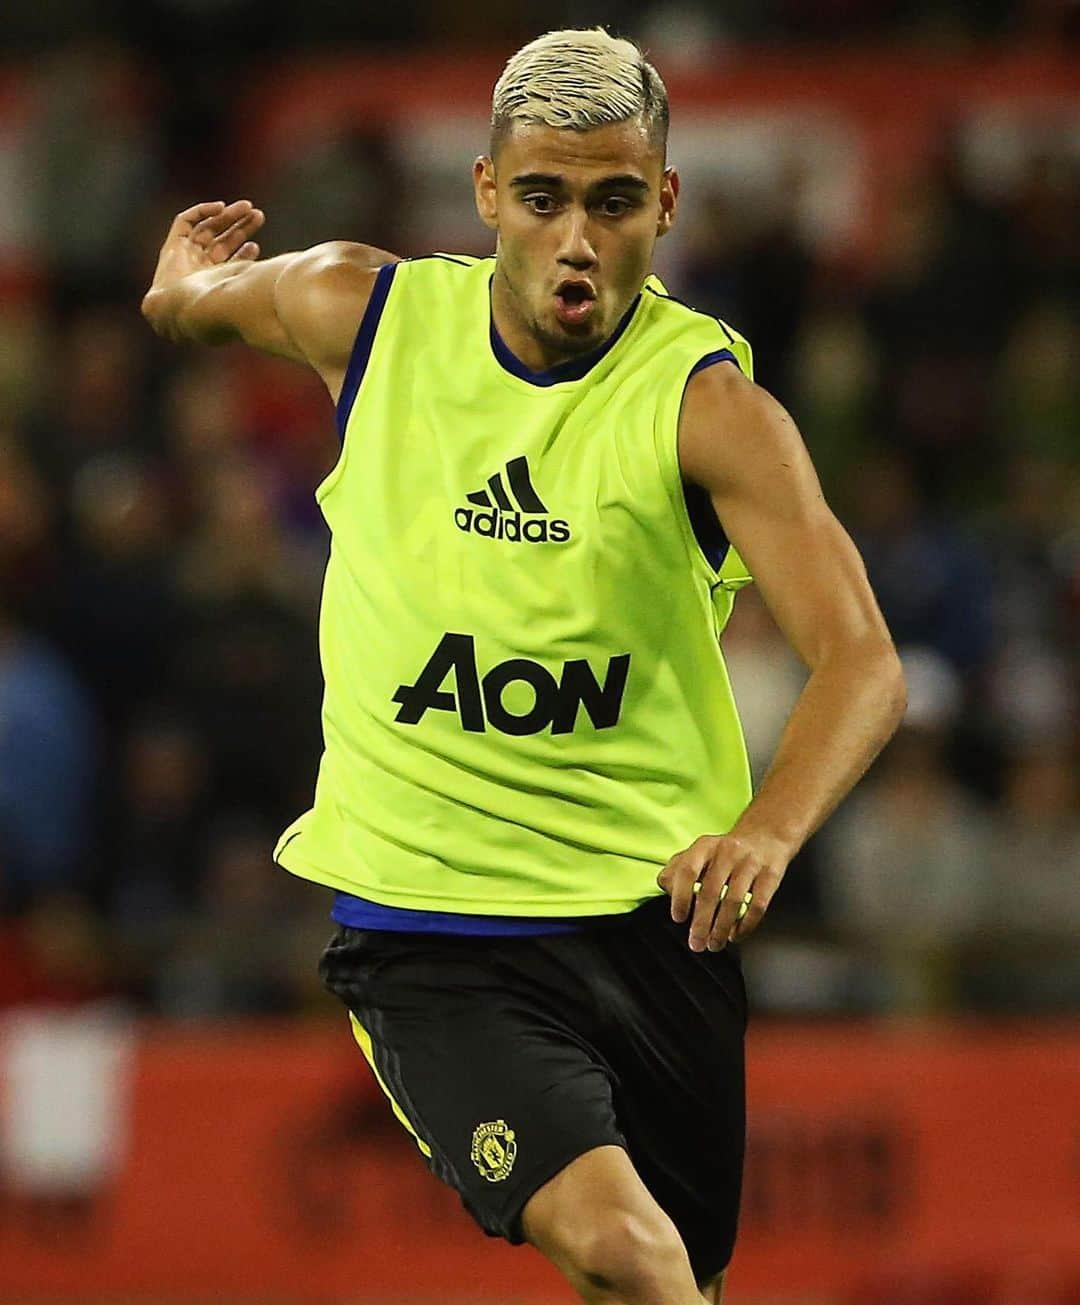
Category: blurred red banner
<point>882,113</point>
<point>264,1165</point>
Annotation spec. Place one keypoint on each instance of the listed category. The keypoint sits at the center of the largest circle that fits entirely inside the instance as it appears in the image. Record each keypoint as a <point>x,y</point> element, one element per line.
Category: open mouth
<point>574,301</point>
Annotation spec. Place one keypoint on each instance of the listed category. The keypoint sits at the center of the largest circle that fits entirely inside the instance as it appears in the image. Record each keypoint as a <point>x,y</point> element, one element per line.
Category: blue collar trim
<point>363,344</point>
<point>571,370</point>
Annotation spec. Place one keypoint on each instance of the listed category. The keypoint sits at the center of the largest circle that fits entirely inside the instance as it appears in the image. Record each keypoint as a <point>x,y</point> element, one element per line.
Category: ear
<point>669,201</point>
<point>484,186</point>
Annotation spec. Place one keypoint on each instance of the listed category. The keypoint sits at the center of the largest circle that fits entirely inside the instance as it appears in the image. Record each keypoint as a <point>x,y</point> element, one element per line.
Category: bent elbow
<point>152,306</point>
<point>882,680</point>
<point>893,687</point>
<point>160,310</point>
<point>900,694</point>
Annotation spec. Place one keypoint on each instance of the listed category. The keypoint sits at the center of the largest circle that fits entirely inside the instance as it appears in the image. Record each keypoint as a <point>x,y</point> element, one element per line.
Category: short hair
<point>576,79</point>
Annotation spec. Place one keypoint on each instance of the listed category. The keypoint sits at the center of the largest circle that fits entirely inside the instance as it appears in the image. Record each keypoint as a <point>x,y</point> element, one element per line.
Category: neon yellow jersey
<point>526,710</point>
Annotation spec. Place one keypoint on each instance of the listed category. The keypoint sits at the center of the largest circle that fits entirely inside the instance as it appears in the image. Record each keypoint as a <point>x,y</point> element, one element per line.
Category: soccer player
<point>534,801</point>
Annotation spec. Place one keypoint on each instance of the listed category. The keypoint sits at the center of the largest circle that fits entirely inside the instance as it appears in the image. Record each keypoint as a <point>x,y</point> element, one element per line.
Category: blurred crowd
<point>161,556</point>
<point>171,28</point>
<point>939,396</point>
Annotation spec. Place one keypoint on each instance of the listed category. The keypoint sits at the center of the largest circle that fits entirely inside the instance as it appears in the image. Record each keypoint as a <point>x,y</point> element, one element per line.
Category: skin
<point>562,1219</point>
<point>592,206</point>
<point>606,200</point>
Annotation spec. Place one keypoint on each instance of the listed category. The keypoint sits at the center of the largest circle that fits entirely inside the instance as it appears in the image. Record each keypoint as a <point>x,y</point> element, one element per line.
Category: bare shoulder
<point>731,428</point>
<point>320,298</point>
<point>741,446</point>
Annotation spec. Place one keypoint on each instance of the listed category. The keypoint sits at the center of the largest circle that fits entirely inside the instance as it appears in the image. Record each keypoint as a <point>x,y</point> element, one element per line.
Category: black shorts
<point>509,1057</point>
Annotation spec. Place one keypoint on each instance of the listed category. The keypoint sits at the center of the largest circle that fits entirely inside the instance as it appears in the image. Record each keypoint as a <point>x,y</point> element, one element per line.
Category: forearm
<point>211,306</point>
<point>303,305</point>
<point>168,308</point>
<point>848,710</point>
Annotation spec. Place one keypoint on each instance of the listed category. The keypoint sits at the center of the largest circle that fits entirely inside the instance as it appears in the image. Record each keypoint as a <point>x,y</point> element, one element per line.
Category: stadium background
<point>884,198</point>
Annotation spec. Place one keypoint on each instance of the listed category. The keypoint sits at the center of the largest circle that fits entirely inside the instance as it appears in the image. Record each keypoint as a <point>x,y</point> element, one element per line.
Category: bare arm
<point>739,444</point>
<point>210,287</point>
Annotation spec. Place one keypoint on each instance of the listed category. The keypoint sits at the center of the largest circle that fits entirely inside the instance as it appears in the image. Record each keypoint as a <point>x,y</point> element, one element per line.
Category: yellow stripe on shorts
<point>363,1038</point>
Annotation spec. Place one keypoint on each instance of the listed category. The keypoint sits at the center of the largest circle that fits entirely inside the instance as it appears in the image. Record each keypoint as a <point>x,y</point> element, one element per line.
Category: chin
<point>572,341</point>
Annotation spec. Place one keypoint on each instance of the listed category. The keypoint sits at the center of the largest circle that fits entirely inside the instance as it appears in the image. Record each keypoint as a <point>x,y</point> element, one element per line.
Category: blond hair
<point>576,79</point>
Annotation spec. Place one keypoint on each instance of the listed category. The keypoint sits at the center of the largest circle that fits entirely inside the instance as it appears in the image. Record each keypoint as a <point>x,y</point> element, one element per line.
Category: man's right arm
<point>210,288</point>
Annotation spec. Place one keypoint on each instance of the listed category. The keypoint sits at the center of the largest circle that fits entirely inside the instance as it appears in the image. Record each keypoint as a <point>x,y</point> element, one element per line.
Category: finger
<point>223,246</point>
<point>226,244</point>
<point>195,214</point>
<point>706,903</point>
<point>765,886</point>
<point>738,885</point>
<point>677,879</point>
<point>251,219</point>
<point>211,226</point>
<point>228,214</point>
<point>250,250</point>
<point>733,904</point>
<point>679,876</point>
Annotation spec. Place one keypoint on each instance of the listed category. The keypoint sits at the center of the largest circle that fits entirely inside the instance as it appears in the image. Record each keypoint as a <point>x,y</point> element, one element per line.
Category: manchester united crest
<point>494,1150</point>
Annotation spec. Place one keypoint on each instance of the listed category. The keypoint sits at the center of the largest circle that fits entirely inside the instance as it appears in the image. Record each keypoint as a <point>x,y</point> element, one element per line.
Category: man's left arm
<point>741,446</point>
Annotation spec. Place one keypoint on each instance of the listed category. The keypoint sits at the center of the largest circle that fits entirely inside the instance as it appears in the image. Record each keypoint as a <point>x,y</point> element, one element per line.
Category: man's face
<point>577,215</point>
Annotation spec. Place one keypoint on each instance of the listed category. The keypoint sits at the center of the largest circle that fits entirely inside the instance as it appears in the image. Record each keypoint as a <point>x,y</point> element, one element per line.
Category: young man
<point>551,476</point>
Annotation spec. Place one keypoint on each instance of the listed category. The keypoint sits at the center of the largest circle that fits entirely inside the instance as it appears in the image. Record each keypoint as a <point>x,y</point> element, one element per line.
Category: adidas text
<point>478,701</point>
<point>512,526</point>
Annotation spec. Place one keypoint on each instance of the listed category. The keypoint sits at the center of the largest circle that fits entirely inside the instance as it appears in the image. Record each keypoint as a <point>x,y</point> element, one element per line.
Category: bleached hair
<point>578,79</point>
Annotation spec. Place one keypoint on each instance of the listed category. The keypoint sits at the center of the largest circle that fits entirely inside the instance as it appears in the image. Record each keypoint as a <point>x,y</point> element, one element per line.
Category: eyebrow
<point>624,181</point>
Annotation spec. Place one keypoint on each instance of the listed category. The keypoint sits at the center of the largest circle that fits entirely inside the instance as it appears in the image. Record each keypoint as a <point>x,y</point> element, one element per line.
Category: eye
<point>541,203</point>
<point>615,206</point>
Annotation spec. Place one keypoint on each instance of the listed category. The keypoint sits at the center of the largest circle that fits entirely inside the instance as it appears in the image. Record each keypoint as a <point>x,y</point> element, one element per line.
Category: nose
<point>575,248</point>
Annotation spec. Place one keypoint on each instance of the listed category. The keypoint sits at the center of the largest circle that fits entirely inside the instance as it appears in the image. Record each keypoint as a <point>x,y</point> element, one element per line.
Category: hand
<point>713,877</point>
<point>204,236</point>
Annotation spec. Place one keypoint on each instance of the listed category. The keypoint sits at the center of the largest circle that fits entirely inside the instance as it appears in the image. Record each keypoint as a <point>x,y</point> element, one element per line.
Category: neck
<point>514,332</point>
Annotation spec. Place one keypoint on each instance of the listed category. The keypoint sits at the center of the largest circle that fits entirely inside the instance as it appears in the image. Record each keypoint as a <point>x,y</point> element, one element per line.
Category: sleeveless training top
<point>526,710</point>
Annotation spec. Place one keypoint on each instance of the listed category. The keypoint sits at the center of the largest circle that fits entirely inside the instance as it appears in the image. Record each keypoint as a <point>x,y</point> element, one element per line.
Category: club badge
<point>494,1150</point>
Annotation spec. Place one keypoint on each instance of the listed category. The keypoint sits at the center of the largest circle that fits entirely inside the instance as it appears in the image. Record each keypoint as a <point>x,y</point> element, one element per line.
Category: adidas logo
<point>496,513</point>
